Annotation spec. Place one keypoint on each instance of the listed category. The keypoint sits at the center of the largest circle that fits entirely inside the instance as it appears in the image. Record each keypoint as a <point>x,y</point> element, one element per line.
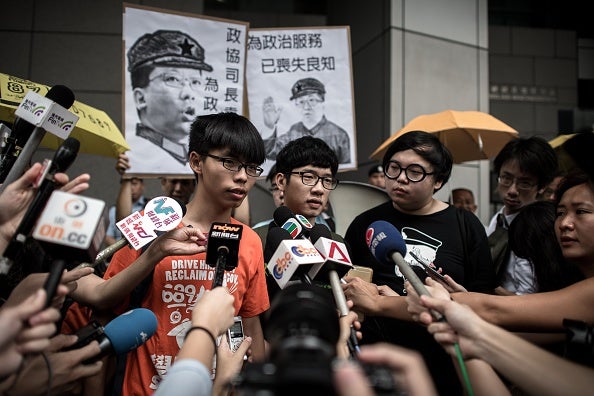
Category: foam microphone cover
<point>62,95</point>
<point>65,155</point>
<point>282,214</point>
<point>383,239</point>
<point>273,239</point>
<point>319,231</point>
<point>131,329</point>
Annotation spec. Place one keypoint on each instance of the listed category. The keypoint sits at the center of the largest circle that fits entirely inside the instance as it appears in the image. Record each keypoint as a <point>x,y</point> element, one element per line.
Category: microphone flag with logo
<point>335,254</point>
<point>222,249</point>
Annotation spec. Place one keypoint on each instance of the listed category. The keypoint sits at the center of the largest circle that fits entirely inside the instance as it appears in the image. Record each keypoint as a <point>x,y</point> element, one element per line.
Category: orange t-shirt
<point>178,282</point>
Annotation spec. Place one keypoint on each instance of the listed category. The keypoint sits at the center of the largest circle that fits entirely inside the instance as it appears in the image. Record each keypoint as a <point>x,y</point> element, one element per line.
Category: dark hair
<point>462,189</point>
<point>535,156</point>
<point>455,190</point>
<point>306,150</point>
<point>574,177</point>
<point>227,131</point>
<point>428,146</point>
<point>139,77</point>
<point>532,237</point>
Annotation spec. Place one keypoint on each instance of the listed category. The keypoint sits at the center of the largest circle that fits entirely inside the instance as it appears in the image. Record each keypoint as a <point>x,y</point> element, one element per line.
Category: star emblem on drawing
<point>186,47</point>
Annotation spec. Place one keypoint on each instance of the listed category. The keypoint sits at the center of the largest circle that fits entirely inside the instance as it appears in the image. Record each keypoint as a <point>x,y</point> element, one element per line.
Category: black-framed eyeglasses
<point>235,165</point>
<point>176,80</point>
<point>311,102</point>
<point>311,179</point>
<point>414,172</point>
<point>507,181</point>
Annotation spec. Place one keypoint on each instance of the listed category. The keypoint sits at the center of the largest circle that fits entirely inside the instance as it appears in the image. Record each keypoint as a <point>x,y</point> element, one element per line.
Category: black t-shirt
<point>453,239</point>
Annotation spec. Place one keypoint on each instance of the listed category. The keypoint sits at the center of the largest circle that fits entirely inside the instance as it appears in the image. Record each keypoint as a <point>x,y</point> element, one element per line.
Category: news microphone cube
<point>336,259</point>
<point>71,227</point>
<point>292,258</point>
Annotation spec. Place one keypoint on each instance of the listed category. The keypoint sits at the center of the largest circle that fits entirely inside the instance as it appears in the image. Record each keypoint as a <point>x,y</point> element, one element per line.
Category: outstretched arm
<point>106,293</point>
<point>528,366</point>
<point>370,299</point>
<point>539,312</point>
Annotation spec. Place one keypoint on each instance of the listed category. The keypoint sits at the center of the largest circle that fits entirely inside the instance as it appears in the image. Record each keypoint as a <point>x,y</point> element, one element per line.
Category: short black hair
<point>139,77</point>
<point>535,156</point>
<point>574,177</point>
<point>306,150</point>
<point>230,131</point>
<point>429,147</point>
<point>462,189</point>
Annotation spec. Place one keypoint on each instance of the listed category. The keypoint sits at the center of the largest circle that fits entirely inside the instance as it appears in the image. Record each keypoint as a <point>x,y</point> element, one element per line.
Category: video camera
<point>302,328</point>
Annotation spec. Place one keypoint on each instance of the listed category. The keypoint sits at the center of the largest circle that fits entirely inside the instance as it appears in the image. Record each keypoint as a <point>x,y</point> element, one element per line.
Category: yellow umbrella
<point>469,135</point>
<point>559,140</point>
<point>95,130</point>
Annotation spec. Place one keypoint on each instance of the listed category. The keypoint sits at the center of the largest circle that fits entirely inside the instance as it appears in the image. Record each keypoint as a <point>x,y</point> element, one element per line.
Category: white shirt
<point>519,274</point>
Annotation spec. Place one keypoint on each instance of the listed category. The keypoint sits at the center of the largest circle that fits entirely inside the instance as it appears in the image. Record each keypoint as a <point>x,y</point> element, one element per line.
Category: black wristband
<point>212,337</point>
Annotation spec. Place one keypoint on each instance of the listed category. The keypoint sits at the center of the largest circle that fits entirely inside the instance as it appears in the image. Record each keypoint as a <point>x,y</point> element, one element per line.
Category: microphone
<point>296,225</point>
<point>122,335</point>
<point>222,249</point>
<point>22,131</point>
<point>162,213</point>
<point>335,254</point>
<point>292,258</point>
<point>70,228</point>
<point>387,246</point>
<point>337,263</point>
<point>63,158</point>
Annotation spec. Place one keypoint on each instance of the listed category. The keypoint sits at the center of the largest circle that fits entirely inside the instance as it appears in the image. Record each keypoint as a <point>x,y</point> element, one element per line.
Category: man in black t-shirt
<point>416,166</point>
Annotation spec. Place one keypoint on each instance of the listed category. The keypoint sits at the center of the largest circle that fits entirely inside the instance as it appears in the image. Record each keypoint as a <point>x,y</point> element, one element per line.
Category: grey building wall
<point>409,58</point>
<point>533,75</point>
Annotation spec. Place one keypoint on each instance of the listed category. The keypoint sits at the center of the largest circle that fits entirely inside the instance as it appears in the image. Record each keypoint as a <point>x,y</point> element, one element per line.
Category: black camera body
<point>91,332</point>
<point>302,329</point>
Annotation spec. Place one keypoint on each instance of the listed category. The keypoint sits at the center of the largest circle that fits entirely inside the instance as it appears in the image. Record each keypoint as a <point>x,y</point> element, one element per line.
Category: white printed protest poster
<point>177,66</point>
<point>299,82</point>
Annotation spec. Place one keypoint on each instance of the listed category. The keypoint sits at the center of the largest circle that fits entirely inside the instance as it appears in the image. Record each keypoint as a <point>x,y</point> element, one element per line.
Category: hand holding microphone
<point>63,158</point>
<point>160,214</point>
<point>122,335</point>
<point>21,135</point>
<point>388,247</point>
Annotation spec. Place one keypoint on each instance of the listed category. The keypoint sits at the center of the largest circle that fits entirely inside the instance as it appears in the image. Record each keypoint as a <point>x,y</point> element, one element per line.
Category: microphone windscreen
<point>281,215</point>
<point>131,329</point>
<point>383,239</point>
<point>62,95</point>
<point>65,155</point>
<point>274,238</point>
<point>319,231</point>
